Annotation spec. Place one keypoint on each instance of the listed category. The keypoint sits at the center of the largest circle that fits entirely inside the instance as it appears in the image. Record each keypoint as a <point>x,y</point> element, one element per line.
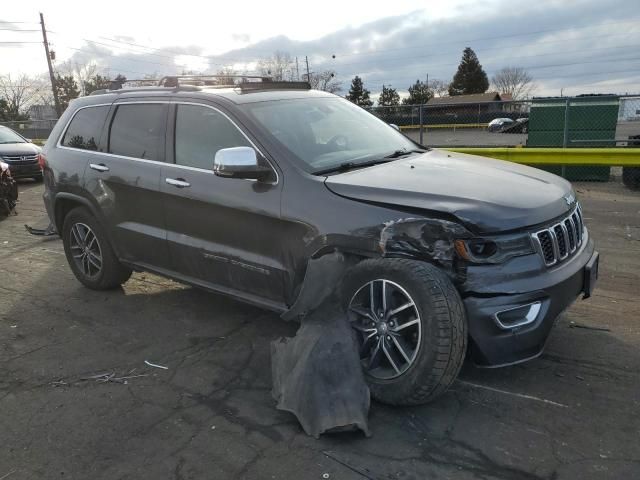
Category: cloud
<point>579,46</point>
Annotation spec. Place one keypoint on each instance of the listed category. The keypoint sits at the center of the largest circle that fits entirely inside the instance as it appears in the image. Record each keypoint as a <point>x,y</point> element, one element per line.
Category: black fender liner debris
<point>46,232</point>
<point>8,191</point>
<point>317,374</point>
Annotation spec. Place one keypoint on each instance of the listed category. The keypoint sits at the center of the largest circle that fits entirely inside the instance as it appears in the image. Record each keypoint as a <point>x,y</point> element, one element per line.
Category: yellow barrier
<point>623,157</point>
<point>445,125</point>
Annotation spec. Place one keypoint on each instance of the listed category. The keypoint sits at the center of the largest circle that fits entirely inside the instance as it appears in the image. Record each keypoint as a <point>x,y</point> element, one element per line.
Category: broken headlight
<point>495,249</point>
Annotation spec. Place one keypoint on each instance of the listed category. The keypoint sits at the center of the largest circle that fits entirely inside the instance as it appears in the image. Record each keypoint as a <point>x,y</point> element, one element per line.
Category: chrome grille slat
<point>20,158</point>
<point>571,234</point>
<point>559,241</point>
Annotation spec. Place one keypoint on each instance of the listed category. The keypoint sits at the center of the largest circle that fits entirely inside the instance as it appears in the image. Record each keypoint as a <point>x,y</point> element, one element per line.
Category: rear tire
<point>436,350</point>
<point>89,252</point>
<point>38,178</point>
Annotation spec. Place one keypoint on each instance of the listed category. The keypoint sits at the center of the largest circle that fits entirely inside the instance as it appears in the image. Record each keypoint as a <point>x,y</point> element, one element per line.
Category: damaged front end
<point>8,191</point>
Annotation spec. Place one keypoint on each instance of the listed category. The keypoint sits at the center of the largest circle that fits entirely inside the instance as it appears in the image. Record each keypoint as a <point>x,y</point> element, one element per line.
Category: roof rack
<point>211,80</point>
<point>134,82</point>
<point>246,83</point>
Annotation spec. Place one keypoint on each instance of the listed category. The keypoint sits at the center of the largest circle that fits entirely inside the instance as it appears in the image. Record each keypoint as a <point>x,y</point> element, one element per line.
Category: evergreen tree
<point>470,77</point>
<point>419,94</point>
<point>97,82</point>
<point>67,90</point>
<point>389,97</point>
<point>358,94</point>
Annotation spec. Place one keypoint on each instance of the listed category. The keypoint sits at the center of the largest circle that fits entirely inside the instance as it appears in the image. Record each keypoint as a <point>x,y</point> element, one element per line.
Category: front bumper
<point>24,170</point>
<point>553,290</point>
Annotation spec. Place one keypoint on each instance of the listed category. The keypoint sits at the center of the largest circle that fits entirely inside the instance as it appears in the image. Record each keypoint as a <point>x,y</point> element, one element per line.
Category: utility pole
<point>56,101</point>
<point>306,59</point>
<point>297,70</point>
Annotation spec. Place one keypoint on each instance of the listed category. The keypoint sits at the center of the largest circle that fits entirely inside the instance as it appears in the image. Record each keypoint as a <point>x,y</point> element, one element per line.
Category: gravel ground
<point>67,411</point>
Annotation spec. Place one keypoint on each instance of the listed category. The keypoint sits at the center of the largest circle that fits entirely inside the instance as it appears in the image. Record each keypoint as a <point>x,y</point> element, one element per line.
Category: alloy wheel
<point>85,249</point>
<point>387,323</point>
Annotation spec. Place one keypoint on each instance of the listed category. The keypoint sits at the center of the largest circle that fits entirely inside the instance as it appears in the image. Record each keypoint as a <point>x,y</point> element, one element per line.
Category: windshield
<point>9,136</point>
<point>327,132</point>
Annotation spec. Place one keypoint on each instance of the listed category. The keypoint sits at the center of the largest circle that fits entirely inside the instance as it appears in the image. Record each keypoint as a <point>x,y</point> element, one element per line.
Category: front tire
<point>413,335</point>
<point>89,252</point>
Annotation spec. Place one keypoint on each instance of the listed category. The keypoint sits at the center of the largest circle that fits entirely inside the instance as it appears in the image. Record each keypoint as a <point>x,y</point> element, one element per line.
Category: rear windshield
<point>325,132</point>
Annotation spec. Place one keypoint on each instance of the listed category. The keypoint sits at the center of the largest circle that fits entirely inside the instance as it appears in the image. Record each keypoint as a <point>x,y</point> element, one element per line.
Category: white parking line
<point>519,395</point>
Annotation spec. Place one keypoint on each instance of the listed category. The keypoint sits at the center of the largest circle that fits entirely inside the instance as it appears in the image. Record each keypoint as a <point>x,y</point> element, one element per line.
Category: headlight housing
<point>494,249</point>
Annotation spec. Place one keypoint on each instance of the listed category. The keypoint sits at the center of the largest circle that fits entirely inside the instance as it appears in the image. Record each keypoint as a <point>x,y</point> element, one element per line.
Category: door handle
<point>177,182</point>
<point>100,167</point>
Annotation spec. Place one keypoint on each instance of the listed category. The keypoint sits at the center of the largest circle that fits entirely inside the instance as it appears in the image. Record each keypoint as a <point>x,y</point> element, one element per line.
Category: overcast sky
<point>581,46</point>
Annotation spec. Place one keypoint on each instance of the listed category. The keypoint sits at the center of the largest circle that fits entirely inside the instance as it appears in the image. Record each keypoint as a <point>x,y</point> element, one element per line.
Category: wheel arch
<point>65,202</point>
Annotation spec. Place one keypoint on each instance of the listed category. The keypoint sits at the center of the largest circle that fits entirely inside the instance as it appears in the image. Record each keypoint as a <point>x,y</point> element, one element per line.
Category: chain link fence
<point>564,122</point>
<point>37,130</point>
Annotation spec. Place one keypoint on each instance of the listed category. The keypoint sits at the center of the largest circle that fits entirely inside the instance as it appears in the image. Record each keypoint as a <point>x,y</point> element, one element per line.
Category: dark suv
<point>273,193</point>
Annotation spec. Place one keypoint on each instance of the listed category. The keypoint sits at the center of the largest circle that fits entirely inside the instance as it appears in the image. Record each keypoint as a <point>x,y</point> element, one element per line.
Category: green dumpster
<point>588,121</point>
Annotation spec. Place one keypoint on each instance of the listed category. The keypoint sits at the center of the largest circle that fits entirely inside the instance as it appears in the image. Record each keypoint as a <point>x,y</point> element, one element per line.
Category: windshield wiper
<point>403,152</point>
<point>345,166</point>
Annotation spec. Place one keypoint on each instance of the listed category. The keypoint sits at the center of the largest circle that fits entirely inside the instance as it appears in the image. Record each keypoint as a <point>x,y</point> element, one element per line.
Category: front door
<point>221,232</point>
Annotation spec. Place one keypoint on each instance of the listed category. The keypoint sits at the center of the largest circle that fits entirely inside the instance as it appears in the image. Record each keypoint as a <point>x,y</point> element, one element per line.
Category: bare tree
<point>439,87</point>
<point>20,93</point>
<point>515,81</point>
<point>81,73</point>
<point>280,66</point>
<point>325,81</point>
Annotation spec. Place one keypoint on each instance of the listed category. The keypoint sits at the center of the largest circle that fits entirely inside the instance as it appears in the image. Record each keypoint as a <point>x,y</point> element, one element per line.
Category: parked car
<point>521,125</point>
<point>20,154</point>
<point>498,124</point>
<point>272,193</point>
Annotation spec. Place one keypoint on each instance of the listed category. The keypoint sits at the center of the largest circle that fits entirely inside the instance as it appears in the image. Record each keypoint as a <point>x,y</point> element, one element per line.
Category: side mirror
<point>393,125</point>
<point>239,162</point>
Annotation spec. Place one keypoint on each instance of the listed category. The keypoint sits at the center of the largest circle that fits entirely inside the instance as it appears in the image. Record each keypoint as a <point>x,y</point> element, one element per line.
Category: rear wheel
<point>411,327</point>
<point>89,252</point>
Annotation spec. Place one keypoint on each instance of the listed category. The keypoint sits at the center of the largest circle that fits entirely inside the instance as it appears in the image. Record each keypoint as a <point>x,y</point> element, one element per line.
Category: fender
<point>86,203</point>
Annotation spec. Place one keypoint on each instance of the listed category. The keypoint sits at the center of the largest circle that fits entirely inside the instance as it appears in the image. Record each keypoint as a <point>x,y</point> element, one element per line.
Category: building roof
<point>473,98</point>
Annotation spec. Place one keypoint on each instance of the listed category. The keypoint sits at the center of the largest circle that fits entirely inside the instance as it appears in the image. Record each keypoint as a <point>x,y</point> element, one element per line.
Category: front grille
<point>560,240</point>
<point>21,159</point>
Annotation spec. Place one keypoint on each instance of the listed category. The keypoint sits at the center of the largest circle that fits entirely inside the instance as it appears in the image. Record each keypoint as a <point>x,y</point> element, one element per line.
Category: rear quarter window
<point>85,128</point>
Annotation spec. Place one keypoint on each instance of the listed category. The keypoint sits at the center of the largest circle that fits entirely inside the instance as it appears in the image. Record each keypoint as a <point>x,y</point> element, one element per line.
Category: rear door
<point>125,180</point>
<point>222,232</point>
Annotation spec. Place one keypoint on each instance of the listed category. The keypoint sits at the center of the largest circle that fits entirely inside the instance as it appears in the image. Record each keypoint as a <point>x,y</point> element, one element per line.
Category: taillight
<point>42,161</point>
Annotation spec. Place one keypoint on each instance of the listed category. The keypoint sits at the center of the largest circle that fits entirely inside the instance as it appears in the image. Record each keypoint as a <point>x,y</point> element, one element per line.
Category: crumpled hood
<point>492,195</point>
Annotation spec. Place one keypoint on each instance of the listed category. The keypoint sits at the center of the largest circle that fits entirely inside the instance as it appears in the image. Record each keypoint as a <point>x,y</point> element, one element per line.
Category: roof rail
<point>133,82</point>
<point>211,80</point>
<point>246,83</point>
<point>280,85</point>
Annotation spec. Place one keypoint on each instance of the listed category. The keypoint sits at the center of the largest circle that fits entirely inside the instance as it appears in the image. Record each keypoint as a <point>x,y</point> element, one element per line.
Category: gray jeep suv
<point>272,193</point>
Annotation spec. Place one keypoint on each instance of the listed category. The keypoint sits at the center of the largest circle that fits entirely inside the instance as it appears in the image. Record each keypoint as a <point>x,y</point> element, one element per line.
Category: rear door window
<point>200,133</point>
<point>85,128</point>
<point>138,131</point>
